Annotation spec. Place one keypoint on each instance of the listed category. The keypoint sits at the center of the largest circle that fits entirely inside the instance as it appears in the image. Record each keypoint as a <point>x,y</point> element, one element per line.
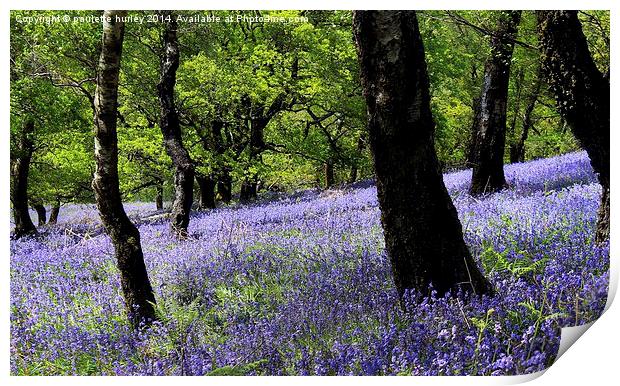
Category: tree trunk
<point>248,189</point>
<point>137,291</point>
<point>171,131</point>
<point>159,198</point>
<point>361,143</point>
<point>207,191</point>
<point>490,124</point>
<point>352,175</point>
<point>257,146</point>
<point>328,170</point>
<point>221,171</point>
<point>423,234</point>
<point>260,116</point>
<point>582,94</point>
<point>54,214</point>
<point>41,213</point>
<point>224,186</point>
<point>517,103</point>
<point>20,168</point>
<point>471,147</point>
<point>475,108</point>
<point>517,151</point>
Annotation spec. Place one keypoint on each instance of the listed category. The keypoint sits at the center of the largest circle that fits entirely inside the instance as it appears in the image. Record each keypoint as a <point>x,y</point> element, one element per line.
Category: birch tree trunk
<point>135,284</point>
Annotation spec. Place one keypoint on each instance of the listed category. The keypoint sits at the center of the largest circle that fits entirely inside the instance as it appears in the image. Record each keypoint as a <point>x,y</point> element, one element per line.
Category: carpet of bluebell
<point>301,285</point>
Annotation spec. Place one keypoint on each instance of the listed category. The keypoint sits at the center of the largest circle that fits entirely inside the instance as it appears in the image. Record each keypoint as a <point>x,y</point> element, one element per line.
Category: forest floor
<point>302,285</point>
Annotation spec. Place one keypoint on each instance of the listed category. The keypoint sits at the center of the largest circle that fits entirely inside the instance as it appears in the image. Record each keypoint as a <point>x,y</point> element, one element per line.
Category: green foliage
<point>233,72</point>
<point>523,266</point>
<point>238,370</point>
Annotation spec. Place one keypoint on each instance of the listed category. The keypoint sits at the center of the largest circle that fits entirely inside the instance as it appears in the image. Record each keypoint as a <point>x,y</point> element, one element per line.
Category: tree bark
<point>41,213</point>
<point>159,198</point>
<point>517,151</point>
<point>490,123</point>
<point>256,147</point>
<point>20,168</point>
<point>248,189</point>
<point>361,143</point>
<point>471,146</point>
<point>517,103</point>
<point>582,95</point>
<point>207,191</point>
<point>136,287</point>
<point>260,116</point>
<point>54,214</point>
<point>423,234</point>
<point>224,186</point>
<point>171,131</point>
<point>328,169</point>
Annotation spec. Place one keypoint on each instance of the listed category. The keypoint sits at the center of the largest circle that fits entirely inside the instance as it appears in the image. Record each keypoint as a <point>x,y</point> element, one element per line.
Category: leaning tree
<point>423,234</point>
<point>171,129</point>
<point>581,92</point>
<point>137,291</point>
<point>21,155</point>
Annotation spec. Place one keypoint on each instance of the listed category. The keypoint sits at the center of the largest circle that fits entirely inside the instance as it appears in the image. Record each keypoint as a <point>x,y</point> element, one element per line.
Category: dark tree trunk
<point>256,147</point>
<point>20,168</point>
<point>248,189</point>
<point>361,143</point>
<point>224,186</point>
<point>137,291</point>
<point>490,123</point>
<point>41,213</point>
<point>581,92</point>
<point>517,150</point>
<point>328,170</point>
<point>471,146</point>
<point>423,234</point>
<point>171,131</point>
<point>207,191</point>
<point>54,214</point>
<point>260,116</point>
<point>159,198</point>
<point>221,169</point>
<point>352,174</point>
<point>475,108</point>
<point>517,103</point>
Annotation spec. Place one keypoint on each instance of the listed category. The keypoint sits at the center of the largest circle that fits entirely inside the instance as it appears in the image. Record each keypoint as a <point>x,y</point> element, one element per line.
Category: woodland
<point>305,192</point>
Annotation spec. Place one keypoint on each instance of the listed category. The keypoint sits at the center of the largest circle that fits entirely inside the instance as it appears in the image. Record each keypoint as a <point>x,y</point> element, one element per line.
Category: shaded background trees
<point>268,106</point>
